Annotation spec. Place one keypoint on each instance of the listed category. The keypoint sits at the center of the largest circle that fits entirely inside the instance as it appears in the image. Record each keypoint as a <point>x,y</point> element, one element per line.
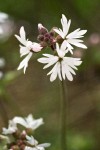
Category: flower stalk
<point>64,115</point>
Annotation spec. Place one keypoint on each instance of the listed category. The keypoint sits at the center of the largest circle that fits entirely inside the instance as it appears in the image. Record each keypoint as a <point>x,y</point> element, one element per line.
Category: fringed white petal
<point>21,121</point>
<point>65,24</point>
<point>22,33</point>
<point>60,32</point>
<point>53,72</point>
<point>51,62</point>
<point>24,63</point>
<point>24,50</point>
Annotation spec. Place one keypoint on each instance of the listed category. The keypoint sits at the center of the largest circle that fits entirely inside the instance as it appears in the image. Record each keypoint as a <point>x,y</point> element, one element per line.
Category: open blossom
<point>27,48</point>
<point>73,37</point>
<point>29,122</point>
<point>64,66</point>
<point>11,128</point>
<point>34,143</point>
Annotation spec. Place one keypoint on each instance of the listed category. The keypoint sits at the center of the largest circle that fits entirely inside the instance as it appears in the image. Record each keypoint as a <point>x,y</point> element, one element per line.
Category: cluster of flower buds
<point>46,39</point>
<point>22,139</point>
<point>60,42</point>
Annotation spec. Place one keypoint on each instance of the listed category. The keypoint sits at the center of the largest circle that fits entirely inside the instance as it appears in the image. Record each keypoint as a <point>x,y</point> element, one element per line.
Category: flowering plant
<point>17,139</point>
<point>62,45</point>
<point>61,58</point>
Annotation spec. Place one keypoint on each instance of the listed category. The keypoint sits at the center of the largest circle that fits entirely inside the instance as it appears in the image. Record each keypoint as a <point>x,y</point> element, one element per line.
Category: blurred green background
<point>33,93</point>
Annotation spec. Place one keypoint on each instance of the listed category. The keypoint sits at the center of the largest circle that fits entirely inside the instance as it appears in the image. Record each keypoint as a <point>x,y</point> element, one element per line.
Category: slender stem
<point>63,117</point>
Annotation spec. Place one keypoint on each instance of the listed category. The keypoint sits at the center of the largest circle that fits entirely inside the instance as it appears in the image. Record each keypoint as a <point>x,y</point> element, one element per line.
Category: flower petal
<point>78,44</point>
<point>72,34</point>
<point>20,40</point>
<point>23,50</point>
<point>21,121</point>
<point>65,24</point>
<point>36,123</point>
<point>53,72</point>
<point>64,45</point>
<point>22,33</point>
<point>60,32</point>
<point>59,71</point>
<point>44,145</point>
<point>48,55</point>
<point>24,63</point>
<point>36,47</point>
<point>76,34</point>
<point>22,37</point>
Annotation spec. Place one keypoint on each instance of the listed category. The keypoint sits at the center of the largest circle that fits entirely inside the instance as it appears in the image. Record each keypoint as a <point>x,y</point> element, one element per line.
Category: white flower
<point>73,37</point>
<point>29,122</point>
<point>27,49</point>
<point>35,145</point>
<point>64,66</point>
<point>11,128</point>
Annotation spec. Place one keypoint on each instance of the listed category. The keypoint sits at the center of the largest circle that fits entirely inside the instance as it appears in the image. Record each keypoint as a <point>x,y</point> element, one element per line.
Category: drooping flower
<point>73,37</point>
<point>29,122</point>
<point>64,66</point>
<point>34,144</point>
<point>12,128</point>
<point>27,48</point>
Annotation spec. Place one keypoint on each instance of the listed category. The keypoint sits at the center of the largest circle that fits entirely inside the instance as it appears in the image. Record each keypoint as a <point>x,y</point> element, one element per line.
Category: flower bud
<point>29,131</point>
<point>42,30</point>
<point>22,147</point>
<point>52,33</point>
<point>59,39</point>
<point>44,44</point>
<point>46,39</point>
<point>23,135</point>
<point>40,38</point>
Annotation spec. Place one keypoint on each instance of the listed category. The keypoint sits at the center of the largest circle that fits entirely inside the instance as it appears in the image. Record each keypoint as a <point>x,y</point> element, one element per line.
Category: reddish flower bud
<point>42,30</point>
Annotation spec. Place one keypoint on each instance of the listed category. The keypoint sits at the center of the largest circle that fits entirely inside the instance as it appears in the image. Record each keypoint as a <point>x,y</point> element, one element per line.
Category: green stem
<point>63,117</point>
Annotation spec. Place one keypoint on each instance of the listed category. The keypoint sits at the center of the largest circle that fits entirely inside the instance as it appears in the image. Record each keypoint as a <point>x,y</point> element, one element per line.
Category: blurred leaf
<point>10,76</point>
<point>80,142</point>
